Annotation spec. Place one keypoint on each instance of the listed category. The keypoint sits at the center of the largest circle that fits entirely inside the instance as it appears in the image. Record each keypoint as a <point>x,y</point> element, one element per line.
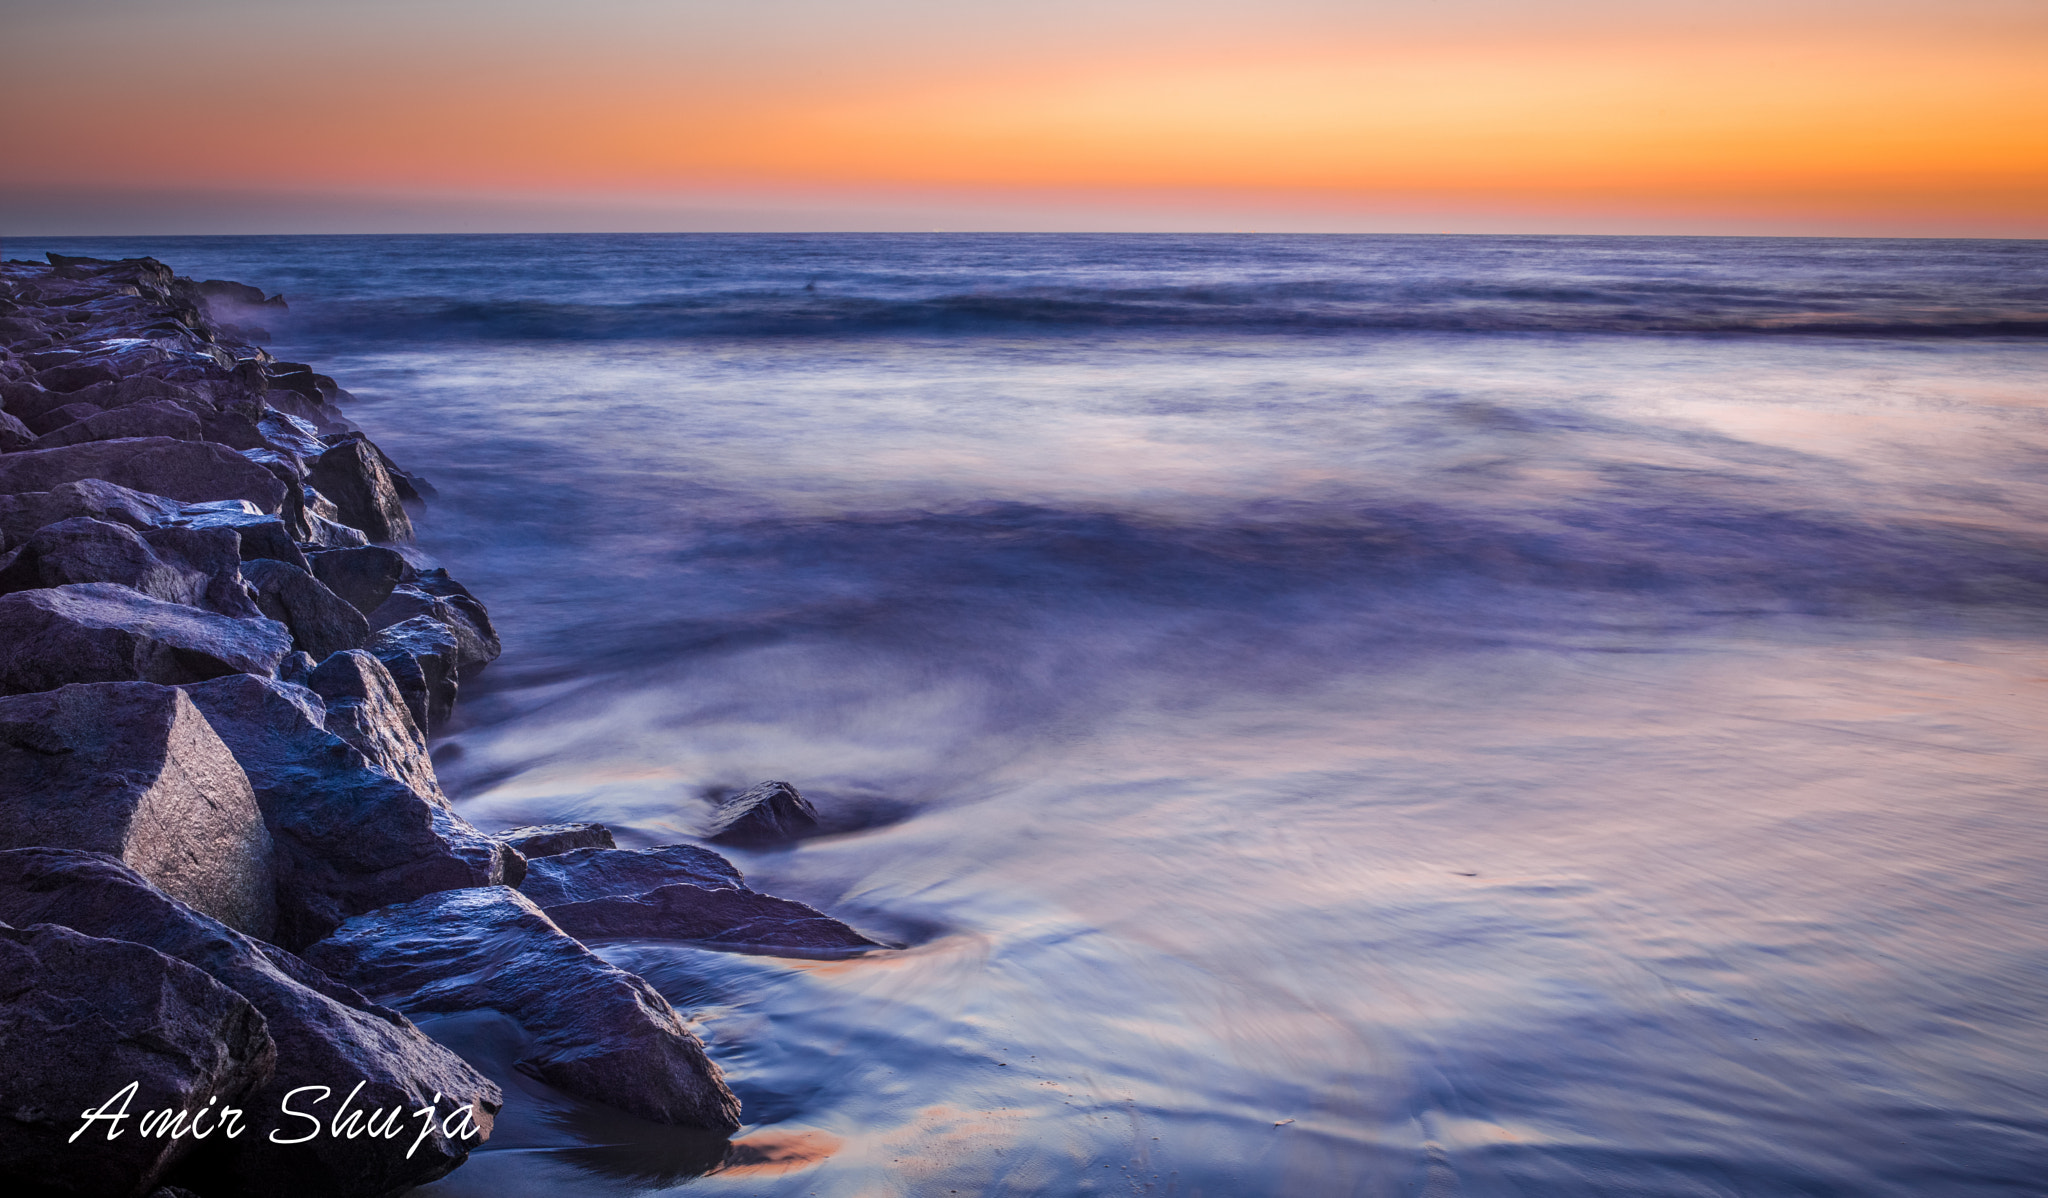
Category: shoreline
<point>220,661</point>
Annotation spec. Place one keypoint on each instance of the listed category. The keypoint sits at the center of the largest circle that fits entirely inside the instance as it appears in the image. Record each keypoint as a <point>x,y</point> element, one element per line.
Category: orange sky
<point>1905,118</point>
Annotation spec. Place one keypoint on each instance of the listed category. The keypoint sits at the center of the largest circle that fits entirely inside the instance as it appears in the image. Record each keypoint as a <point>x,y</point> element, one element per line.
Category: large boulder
<point>352,474</point>
<point>365,709</point>
<point>548,840</point>
<point>105,632</point>
<point>134,770</point>
<point>349,838</point>
<point>176,565</point>
<point>262,535</point>
<point>14,435</point>
<point>434,596</point>
<point>90,1024</point>
<point>192,471</point>
<point>364,576</point>
<point>767,813</point>
<point>322,623</point>
<point>422,654</point>
<point>327,1035</point>
<point>598,1032</point>
<point>678,892</point>
<point>22,514</point>
<point>164,419</point>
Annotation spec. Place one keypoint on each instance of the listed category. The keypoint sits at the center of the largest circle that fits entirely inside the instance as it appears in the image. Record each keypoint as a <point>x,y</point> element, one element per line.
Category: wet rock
<point>421,654</point>
<point>679,892</point>
<point>52,420</point>
<point>599,1032</point>
<point>352,474</point>
<point>77,375</point>
<point>327,1035</point>
<point>548,840</point>
<point>215,553</point>
<point>13,434</point>
<point>296,667</point>
<point>22,514</point>
<point>365,576</point>
<point>138,420</point>
<point>476,640</point>
<point>767,813</point>
<point>349,838</point>
<point>321,622</point>
<point>134,770</point>
<point>83,549</point>
<point>105,632</point>
<point>260,536</point>
<point>365,709</point>
<point>191,471</point>
<point>82,1019</point>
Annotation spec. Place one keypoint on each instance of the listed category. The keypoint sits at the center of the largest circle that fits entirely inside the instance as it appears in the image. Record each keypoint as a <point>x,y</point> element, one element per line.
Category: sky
<point>1828,117</point>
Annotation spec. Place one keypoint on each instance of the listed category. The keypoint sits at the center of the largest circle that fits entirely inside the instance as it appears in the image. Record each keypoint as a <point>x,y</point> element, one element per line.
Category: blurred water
<point>1324,716</point>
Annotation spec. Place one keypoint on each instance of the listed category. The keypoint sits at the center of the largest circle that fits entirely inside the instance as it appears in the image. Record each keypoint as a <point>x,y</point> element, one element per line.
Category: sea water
<point>1319,715</point>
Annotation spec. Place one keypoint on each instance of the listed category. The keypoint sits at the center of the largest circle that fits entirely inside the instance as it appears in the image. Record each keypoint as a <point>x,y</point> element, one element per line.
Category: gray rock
<point>598,1032</point>
<point>22,514</point>
<point>349,838</point>
<point>137,420</point>
<point>51,420</point>
<point>13,434</point>
<point>191,471</point>
<point>83,549</point>
<point>766,813</point>
<point>77,375</point>
<point>261,535</point>
<point>679,892</point>
<point>326,1034</point>
<point>365,577</point>
<point>547,840</point>
<point>322,623</point>
<point>476,641</point>
<point>105,632</point>
<point>365,709</point>
<point>296,667</point>
<point>81,1019</point>
<point>421,654</point>
<point>215,553</point>
<point>134,770</point>
<point>352,474</point>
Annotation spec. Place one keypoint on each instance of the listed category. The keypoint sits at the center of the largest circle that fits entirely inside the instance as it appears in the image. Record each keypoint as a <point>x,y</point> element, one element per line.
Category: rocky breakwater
<point>228,875</point>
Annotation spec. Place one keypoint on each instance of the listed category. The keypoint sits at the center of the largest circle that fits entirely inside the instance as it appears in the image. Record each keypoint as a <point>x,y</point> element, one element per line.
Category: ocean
<point>1424,716</point>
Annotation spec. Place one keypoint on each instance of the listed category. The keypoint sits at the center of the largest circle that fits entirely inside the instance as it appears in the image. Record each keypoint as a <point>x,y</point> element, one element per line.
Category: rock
<point>365,709</point>
<point>81,1020</point>
<point>421,654</point>
<point>296,667</point>
<point>215,553</point>
<point>289,434</point>
<point>53,420</point>
<point>134,770</point>
<point>352,474</point>
<point>411,487</point>
<point>83,549</point>
<point>679,892</point>
<point>598,1032</point>
<point>365,577</point>
<point>476,640</point>
<point>547,840</point>
<point>261,535</point>
<point>327,1035</point>
<point>349,838</point>
<point>192,471</point>
<point>105,632</point>
<point>766,813</point>
<point>138,420</point>
<point>22,514</point>
<point>13,434</point>
<point>76,375</point>
<point>322,623</point>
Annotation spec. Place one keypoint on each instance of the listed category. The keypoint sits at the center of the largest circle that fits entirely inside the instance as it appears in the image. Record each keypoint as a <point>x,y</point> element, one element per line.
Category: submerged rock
<point>134,770</point>
<point>547,840</point>
<point>678,892</point>
<point>321,622</point>
<point>349,838</point>
<point>191,471</point>
<point>83,1018</point>
<point>765,814</point>
<point>327,1036</point>
<point>105,632</point>
<point>598,1032</point>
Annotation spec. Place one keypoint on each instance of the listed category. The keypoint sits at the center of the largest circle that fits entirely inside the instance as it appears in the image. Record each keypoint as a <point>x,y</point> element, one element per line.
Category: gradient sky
<point>1908,117</point>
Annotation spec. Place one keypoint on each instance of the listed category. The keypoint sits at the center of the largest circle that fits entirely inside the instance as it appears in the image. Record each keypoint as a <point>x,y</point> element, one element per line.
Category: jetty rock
<point>106,632</point>
<point>348,837</point>
<point>548,840</point>
<point>364,576</point>
<point>322,623</point>
<point>679,892</point>
<point>422,654</point>
<point>22,514</point>
<point>134,770</point>
<point>365,709</point>
<point>191,471</point>
<point>82,1018</point>
<point>327,1036</point>
<point>177,565</point>
<point>598,1032</point>
<point>352,474</point>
